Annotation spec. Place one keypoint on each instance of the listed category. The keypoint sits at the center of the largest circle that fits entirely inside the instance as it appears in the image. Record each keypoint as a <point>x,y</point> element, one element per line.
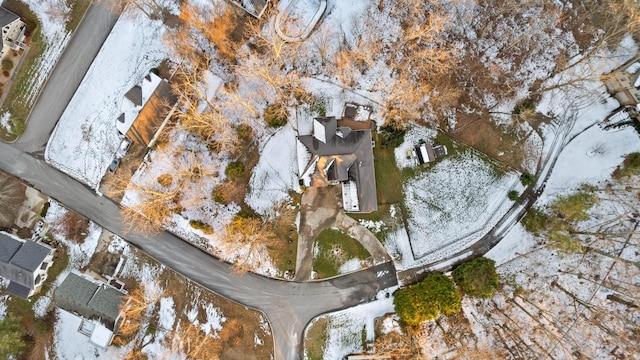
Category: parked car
<point>114,165</point>
<point>124,146</point>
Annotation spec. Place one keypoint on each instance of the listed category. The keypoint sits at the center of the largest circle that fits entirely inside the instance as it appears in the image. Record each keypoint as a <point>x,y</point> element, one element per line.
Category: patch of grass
<point>315,339</point>
<point>574,207</point>
<point>235,169</point>
<point>199,225</point>
<point>335,249</point>
<point>535,221</point>
<point>388,176</point>
<point>78,9</point>
<point>60,262</point>
<point>630,166</point>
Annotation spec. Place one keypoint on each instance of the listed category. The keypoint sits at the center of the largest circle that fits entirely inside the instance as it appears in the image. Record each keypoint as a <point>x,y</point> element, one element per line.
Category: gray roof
<point>353,155</point>
<point>18,290</point>
<point>30,255</point>
<point>7,17</point>
<point>19,260</point>
<point>89,299</point>
<point>8,247</point>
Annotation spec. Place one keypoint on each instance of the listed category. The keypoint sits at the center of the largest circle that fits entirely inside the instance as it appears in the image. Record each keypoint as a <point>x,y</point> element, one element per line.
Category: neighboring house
<point>624,82</point>
<point>12,32</point>
<point>339,155</point>
<point>427,153</point>
<point>145,110</point>
<point>24,263</point>
<point>96,303</point>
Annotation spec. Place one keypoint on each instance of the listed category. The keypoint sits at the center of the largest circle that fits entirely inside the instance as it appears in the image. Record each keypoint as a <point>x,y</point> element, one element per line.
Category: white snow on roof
<point>101,336</point>
<point>633,68</point>
<point>350,196</point>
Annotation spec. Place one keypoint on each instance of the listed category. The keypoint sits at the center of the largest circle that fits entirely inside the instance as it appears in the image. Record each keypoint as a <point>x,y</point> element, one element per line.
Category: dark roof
<point>353,154</point>
<point>152,114</point>
<point>8,247</point>
<point>89,299</point>
<point>135,95</point>
<point>19,260</point>
<point>18,290</point>
<point>30,255</point>
<point>7,17</point>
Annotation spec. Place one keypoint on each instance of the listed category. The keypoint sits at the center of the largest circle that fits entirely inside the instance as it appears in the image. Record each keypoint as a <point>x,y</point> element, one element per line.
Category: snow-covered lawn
<point>345,328</point>
<point>276,172</point>
<point>454,202</point>
<point>85,139</point>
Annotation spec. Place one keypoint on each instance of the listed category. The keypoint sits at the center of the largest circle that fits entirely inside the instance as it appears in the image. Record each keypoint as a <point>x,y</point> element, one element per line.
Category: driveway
<point>319,210</point>
<point>66,76</point>
<point>288,306</point>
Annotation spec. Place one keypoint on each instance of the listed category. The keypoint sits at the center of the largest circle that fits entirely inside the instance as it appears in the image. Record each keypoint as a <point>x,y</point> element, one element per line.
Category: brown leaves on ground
<point>72,226</point>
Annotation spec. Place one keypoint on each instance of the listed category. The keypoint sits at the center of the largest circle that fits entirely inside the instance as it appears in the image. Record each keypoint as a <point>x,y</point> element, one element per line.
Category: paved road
<point>288,306</point>
<point>66,76</point>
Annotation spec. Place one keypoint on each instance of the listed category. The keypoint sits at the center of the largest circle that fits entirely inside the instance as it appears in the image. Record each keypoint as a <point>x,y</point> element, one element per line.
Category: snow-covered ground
<point>85,138</point>
<point>345,328</point>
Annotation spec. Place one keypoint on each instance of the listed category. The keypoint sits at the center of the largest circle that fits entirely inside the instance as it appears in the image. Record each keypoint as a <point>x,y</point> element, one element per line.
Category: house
<point>24,263</point>
<point>339,155</point>
<point>145,110</point>
<point>427,153</point>
<point>96,303</point>
<point>624,82</point>
<point>13,29</point>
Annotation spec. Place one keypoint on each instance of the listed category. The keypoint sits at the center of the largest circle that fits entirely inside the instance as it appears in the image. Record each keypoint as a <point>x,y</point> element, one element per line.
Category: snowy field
<point>85,138</point>
<point>454,200</point>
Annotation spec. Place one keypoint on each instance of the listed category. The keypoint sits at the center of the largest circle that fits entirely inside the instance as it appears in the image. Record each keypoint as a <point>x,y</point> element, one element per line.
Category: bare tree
<point>194,343</point>
<point>249,237</point>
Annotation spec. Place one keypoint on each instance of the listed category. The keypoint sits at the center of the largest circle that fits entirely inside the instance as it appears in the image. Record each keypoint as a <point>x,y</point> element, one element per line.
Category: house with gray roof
<point>339,155</point>
<point>24,263</point>
<point>13,29</point>
<point>96,303</point>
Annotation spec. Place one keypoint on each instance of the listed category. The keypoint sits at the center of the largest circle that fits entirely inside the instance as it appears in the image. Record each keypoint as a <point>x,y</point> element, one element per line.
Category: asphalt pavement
<point>66,76</point>
<point>288,306</point>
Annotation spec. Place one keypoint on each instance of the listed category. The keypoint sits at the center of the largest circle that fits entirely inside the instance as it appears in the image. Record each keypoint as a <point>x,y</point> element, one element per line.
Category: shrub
<point>214,147</point>
<point>219,196</point>
<point>11,337</point>
<point>513,195</point>
<point>391,136</point>
<point>235,169</point>
<point>165,180</point>
<point>535,221</point>
<point>45,209</point>
<point>434,296</point>
<point>7,64</point>
<point>244,132</point>
<point>477,278</point>
<point>199,225</point>
<point>574,207</point>
<point>276,116</point>
<point>527,179</point>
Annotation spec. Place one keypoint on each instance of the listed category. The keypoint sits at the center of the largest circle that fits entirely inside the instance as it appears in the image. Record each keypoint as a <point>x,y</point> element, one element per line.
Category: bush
<point>7,64</point>
<point>513,195</point>
<point>434,296</point>
<point>165,180</point>
<point>535,221</point>
<point>527,179</point>
<point>574,207</point>
<point>391,136</point>
<point>45,209</point>
<point>214,147</point>
<point>244,132</point>
<point>276,116</point>
<point>235,169</point>
<point>477,278</point>
<point>199,225</point>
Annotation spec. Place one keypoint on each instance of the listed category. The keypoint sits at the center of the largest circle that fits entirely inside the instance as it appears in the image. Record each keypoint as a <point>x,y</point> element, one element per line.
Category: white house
<point>24,263</point>
<point>12,32</point>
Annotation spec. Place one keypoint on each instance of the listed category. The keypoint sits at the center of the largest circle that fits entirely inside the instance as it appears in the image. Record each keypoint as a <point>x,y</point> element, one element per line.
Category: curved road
<point>288,306</point>
<point>66,76</point>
